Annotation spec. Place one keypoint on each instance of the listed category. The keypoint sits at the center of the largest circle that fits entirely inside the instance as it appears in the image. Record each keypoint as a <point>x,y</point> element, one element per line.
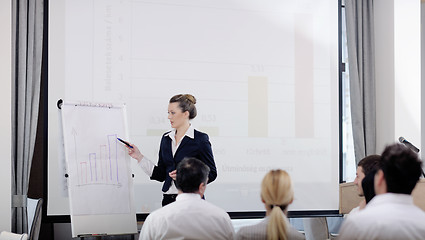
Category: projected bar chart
<point>258,107</point>
<point>304,76</point>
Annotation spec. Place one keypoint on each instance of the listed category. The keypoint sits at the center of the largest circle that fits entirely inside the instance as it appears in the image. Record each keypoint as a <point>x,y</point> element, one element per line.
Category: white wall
<point>398,71</point>
<point>407,35</point>
<point>384,60</point>
<point>5,117</point>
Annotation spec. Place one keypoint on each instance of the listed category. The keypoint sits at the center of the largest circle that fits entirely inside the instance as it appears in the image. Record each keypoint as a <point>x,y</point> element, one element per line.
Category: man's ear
<point>379,182</point>
<point>379,177</point>
<point>202,188</point>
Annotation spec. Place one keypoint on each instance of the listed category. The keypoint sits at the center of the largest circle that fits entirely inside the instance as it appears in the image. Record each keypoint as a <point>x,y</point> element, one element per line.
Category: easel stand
<point>106,236</point>
<point>90,134</point>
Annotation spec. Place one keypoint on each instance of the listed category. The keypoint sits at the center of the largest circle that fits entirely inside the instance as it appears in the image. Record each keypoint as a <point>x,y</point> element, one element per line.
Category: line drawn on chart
<point>98,168</point>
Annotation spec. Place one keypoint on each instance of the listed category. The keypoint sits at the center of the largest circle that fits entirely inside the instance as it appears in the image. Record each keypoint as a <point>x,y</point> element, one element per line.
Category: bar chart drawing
<point>100,167</point>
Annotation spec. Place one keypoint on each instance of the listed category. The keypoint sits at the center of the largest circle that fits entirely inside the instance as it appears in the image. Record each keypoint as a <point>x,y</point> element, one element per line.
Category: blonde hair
<point>186,103</point>
<point>277,193</point>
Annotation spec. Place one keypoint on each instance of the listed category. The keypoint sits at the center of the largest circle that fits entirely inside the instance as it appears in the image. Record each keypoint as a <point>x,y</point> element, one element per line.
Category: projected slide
<point>264,72</point>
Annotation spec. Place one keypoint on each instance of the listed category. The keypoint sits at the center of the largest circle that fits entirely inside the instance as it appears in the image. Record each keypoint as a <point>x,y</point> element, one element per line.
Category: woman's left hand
<point>173,174</point>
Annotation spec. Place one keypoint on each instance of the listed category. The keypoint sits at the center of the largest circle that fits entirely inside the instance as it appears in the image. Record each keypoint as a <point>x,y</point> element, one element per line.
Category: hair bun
<point>190,98</point>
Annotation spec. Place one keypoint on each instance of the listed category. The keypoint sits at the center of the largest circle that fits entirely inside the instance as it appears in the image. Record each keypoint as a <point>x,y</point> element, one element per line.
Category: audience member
<point>189,217</point>
<point>391,214</point>
<point>276,194</point>
<point>364,167</point>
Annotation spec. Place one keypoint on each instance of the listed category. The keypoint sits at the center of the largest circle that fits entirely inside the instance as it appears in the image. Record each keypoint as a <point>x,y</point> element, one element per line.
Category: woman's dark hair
<point>186,103</point>
<point>368,185</point>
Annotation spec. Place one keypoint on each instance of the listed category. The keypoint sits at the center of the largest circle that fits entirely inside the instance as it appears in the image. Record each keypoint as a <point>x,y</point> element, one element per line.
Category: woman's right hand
<point>135,152</point>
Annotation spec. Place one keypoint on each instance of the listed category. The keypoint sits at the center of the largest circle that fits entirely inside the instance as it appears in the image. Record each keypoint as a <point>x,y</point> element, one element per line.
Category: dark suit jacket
<point>198,147</point>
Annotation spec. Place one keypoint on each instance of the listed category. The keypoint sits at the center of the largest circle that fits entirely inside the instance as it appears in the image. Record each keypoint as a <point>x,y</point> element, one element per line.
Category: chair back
<point>4,235</point>
<point>34,211</point>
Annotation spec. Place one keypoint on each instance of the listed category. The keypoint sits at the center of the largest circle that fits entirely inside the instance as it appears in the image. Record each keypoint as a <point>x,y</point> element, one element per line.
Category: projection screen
<point>264,72</point>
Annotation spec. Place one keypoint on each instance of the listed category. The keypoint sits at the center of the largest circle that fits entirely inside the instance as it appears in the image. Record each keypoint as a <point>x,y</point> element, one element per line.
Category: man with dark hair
<point>189,217</point>
<point>366,166</point>
<point>192,173</point>
<point>391,214</point>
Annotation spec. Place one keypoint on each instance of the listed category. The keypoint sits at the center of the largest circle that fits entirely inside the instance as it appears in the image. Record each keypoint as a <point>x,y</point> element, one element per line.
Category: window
<point>349,162</point>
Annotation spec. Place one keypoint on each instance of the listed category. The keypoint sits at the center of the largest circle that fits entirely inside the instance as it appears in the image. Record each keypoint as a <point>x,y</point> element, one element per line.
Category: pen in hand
<point>126,143</point>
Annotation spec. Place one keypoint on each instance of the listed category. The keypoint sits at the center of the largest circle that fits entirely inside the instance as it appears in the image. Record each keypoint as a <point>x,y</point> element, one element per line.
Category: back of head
<point>402,168</point>
<point>186,103</point>
<point>370,163</point>
<point>191,172</point>
<point>277,193</point>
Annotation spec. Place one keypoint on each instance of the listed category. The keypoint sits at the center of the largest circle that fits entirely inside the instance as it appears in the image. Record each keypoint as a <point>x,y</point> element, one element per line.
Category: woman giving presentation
<point>182,141</point>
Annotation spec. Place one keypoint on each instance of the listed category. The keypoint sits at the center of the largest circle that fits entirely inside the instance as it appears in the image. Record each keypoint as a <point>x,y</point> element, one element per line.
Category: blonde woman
<point>276,194</point>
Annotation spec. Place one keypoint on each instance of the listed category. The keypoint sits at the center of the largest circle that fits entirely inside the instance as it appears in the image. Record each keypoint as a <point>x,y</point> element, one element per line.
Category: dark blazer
<point>198,147</point>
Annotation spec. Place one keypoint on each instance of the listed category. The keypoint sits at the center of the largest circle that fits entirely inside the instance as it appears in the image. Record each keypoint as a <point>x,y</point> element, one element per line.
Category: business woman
<point>182,141</point>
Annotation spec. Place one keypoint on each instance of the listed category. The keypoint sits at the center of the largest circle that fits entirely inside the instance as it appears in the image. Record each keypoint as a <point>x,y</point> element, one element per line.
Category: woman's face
<point>176,116</point>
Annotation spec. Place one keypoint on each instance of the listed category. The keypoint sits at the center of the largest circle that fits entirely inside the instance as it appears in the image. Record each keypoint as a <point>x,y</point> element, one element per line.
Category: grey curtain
<point>27,27</point>
<point>361,61</point>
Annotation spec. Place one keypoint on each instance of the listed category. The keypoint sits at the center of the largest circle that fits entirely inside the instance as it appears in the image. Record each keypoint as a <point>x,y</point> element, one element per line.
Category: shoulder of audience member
<point>215,208</point>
